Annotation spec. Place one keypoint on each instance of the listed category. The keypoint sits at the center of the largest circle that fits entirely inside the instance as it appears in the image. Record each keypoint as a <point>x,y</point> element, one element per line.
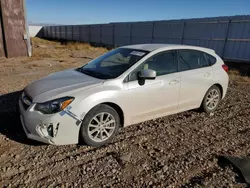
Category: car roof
<point>152,47</point>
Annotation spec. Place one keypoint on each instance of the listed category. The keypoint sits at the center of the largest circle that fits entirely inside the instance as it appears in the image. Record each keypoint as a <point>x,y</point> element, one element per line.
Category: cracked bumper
<point>50,129</point>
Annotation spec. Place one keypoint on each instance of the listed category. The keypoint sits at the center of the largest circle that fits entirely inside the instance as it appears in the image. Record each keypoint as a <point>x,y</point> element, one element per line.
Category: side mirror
<point>147,74</point>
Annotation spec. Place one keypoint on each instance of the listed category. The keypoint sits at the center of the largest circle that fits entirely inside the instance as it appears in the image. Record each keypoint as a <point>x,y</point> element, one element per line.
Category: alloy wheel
<point>101,127</point>
<point>213,98</point>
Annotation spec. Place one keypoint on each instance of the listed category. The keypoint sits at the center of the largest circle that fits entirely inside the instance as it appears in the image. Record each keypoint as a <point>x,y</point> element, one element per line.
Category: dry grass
<point>235,75</point>
<point>53,49</point>
<point>78,46</point>
<point>37,41</point>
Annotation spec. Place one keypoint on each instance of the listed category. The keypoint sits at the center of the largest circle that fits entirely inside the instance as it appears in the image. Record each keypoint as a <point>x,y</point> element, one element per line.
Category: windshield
<point>112,64</point>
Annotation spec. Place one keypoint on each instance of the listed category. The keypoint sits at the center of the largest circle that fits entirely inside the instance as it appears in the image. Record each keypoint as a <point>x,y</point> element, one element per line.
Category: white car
<point>125,86</point>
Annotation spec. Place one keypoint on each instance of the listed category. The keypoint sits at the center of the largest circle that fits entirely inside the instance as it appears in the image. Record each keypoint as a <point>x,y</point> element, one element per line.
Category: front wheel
<point>211,99</point>
<point>100,125</point>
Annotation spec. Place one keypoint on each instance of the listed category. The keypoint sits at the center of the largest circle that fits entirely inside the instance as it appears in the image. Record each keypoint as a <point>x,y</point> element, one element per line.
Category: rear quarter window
<point>211,59</point>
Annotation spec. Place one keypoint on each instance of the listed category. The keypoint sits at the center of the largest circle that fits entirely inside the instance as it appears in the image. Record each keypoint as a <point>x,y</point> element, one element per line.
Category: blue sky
<point>105,11</point>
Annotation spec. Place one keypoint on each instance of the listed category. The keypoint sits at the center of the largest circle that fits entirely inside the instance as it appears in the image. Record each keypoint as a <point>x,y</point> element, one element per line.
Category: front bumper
<point>53,129</point>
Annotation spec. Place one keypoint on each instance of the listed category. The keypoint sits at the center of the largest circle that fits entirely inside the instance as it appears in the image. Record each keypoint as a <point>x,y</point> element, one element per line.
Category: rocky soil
<point>181,150</point>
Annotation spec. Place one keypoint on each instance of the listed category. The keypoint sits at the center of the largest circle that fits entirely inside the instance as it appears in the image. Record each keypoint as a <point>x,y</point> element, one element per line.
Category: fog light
<point>42,130</point>
<point>48,130</point>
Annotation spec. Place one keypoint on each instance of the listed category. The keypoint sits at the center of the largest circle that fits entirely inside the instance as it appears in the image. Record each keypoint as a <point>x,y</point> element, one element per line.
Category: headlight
<point>54,106</point>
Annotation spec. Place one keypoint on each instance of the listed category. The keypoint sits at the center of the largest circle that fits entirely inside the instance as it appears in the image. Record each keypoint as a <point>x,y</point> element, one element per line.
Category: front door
<point>155,98</point>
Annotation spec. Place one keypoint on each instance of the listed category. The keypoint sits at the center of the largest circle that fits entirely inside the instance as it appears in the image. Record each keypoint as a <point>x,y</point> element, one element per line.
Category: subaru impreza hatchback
<point>125,86</point>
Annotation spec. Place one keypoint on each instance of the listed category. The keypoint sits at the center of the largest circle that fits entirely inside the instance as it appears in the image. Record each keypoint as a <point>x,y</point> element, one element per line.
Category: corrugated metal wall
<point>12,29</point>
<point>228,36</point>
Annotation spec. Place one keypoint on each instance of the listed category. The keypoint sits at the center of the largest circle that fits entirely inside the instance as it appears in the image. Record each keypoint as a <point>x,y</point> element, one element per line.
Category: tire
<point>94,131</point>
<point>214,95</point>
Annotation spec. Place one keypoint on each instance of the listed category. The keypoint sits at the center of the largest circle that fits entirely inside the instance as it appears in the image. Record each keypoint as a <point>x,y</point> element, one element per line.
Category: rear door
<point>196,78</point>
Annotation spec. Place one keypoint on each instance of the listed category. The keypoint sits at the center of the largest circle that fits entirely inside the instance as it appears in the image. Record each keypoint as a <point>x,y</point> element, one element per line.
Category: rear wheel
<point>211,99</point>
<point>100,125</point>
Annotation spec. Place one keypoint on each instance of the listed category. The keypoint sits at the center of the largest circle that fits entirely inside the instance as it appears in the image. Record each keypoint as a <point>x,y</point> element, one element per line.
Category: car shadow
<point>10,125</point>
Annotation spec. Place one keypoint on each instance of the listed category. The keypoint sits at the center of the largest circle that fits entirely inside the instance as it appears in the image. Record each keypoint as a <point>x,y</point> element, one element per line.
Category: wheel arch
<point>220,87</point>
<point>113,105</point>
<point>118,109</point>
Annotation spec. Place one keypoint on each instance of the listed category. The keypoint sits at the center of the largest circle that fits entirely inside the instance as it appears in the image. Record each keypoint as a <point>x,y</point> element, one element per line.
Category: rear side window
<point>191,59</point>
<point>211,59</point>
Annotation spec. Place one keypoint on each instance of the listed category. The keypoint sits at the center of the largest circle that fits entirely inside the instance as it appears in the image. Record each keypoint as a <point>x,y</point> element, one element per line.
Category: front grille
<point>26,100</point>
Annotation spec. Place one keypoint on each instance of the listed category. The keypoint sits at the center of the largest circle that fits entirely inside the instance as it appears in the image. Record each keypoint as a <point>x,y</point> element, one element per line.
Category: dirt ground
<point>181,150</point>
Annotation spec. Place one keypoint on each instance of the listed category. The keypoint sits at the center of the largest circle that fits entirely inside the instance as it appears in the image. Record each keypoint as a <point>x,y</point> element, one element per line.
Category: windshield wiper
<point>88,72</point>
<point>92,73</point>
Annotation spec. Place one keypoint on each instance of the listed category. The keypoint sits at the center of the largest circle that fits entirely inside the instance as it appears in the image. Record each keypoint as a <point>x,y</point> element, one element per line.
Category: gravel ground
<point>181,150</point>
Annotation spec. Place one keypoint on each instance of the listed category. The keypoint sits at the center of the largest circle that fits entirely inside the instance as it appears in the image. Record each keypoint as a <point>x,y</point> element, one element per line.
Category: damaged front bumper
<point>53,129</point>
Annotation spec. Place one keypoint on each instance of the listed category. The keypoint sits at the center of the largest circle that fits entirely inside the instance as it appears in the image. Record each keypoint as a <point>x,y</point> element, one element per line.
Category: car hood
<point>60,83</point>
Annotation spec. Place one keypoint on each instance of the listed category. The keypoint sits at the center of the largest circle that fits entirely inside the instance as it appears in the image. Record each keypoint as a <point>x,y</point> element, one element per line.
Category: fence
<point>228,36</point>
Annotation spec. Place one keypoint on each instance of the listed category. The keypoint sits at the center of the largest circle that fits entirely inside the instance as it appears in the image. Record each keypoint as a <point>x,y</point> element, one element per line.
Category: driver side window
<point>163,63</point>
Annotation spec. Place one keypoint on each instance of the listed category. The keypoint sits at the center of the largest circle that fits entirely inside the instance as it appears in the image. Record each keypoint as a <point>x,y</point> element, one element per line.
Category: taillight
<point>225,67</point>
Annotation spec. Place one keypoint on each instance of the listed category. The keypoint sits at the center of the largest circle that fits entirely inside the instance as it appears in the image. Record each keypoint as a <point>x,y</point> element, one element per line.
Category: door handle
<point>173,82</point>
<point>207,74</point>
